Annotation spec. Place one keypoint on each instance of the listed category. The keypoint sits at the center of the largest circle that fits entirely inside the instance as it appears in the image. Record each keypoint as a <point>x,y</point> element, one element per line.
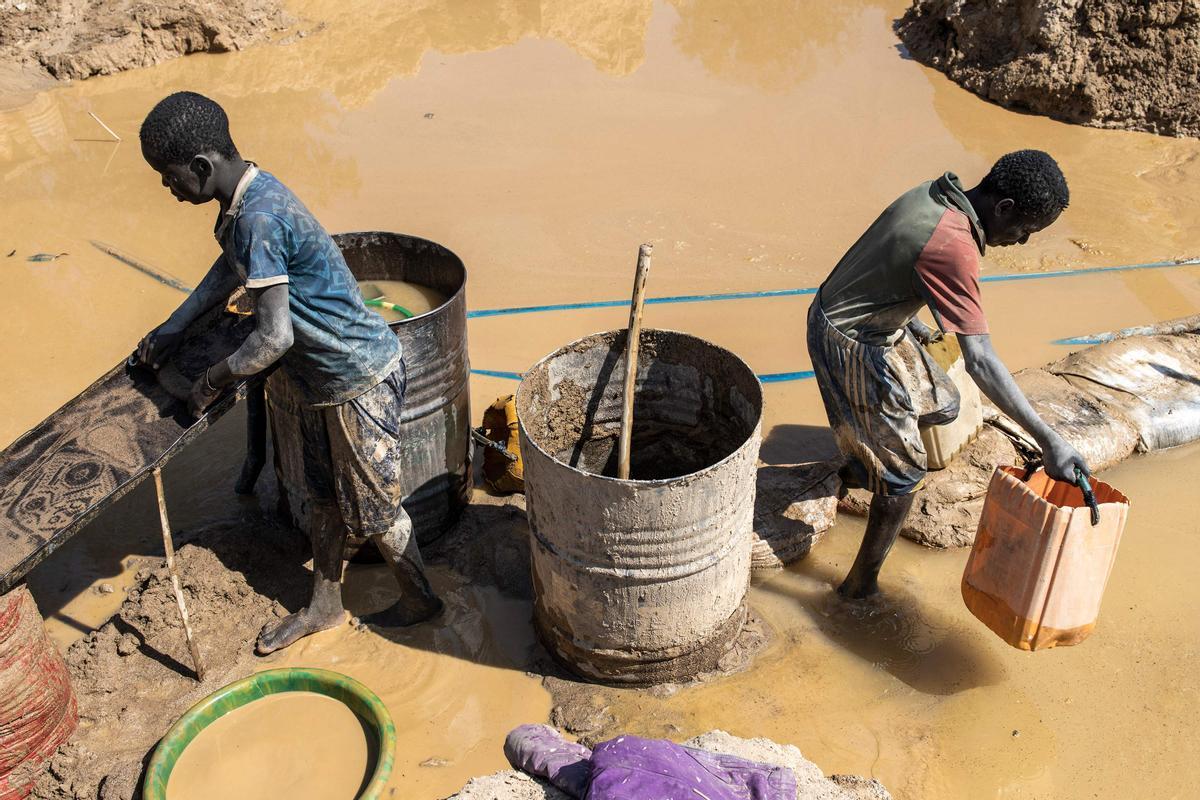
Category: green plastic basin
<point>357,697</point>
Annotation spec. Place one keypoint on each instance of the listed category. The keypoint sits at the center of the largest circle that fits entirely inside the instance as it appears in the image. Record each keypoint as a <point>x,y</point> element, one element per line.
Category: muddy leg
<point>883,526</point>
<point>417,601</point>
<point>324,608</point>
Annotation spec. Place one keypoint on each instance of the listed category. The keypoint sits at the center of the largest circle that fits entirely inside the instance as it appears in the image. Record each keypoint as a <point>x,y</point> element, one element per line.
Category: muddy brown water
<point>289,746</point>
<point>752,143</point>
<point>413,297</point>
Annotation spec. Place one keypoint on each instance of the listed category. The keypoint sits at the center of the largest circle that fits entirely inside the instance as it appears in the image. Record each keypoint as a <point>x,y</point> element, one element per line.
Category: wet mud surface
<point>542,142</point>
<point>900,689</point>
<point>133,675</point>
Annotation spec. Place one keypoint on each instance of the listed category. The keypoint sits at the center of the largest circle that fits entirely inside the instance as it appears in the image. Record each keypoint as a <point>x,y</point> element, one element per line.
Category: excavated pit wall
<point>1103,63</point>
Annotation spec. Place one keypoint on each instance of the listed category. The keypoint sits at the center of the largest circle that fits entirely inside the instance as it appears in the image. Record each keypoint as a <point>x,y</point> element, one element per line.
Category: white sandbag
<point>1153,381</point>
<point>1102,434</point>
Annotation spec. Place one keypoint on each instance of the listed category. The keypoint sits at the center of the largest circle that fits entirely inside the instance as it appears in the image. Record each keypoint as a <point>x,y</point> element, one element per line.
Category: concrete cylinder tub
<point>436,421</point>
<point>640,581</point>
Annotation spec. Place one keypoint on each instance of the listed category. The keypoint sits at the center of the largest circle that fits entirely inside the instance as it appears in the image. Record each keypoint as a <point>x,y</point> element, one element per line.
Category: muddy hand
<point>203,395</point>
<point>157,346</point>
<point>923,333</point>
<point>1061,460</point>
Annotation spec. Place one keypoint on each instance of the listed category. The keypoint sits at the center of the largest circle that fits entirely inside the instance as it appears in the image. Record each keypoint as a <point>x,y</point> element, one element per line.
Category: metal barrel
<point>436,429</point>
<point>640,581</point>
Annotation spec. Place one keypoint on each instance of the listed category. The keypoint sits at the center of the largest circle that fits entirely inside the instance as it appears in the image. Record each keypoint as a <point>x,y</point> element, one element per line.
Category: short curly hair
<point>1033,180</point>
<point>183,125</point>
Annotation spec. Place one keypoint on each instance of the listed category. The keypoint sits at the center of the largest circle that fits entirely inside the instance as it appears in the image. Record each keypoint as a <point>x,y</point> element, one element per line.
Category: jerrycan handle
<point>1080,480</point>
<point>1030,468</point>
<point>1088,496</point>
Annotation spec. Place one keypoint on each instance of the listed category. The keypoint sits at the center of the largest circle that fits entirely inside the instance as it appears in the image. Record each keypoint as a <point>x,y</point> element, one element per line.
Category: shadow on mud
<point>918,645</point>
<point>798,444</point>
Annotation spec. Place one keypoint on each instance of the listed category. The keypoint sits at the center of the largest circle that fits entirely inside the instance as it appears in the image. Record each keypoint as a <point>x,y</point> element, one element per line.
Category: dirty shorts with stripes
<point>352,457</point>
<point>871,402</point>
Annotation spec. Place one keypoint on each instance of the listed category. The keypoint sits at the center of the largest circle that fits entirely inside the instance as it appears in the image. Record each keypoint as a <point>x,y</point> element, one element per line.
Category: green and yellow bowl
<point>358,698</point>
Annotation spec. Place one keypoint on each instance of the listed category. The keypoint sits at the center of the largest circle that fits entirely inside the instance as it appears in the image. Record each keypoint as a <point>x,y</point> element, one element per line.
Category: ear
<point>202,168</point>
<point>1004,208</point>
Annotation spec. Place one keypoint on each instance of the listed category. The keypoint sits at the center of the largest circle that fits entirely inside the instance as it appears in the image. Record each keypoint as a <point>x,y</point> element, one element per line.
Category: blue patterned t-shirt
<point>340,347</point>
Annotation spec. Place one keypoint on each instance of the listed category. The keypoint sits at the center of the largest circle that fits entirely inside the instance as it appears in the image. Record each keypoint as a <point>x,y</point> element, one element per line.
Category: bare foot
<point>405,612</point>
<point>278,635</point>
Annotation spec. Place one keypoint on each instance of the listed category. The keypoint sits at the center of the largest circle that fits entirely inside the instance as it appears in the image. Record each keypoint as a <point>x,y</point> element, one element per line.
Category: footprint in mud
<point>477,624</point>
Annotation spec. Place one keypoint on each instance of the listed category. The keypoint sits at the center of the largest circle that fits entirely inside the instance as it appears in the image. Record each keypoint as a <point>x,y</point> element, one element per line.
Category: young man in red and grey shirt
<point>923,251</point>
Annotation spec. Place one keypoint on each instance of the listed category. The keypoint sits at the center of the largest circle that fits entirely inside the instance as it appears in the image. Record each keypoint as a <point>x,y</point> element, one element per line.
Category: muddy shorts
<point>877,399</point>
<point>351,455</point>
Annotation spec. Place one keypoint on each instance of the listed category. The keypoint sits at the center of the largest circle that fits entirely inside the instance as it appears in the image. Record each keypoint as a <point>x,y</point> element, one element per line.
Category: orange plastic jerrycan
<point>1042,556</point>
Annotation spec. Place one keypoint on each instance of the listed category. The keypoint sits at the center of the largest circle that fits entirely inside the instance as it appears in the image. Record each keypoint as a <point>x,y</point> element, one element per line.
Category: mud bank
<point>1107,64</point>
<point>133,676</point>
<point>46,40</point>
<point>811,782</point>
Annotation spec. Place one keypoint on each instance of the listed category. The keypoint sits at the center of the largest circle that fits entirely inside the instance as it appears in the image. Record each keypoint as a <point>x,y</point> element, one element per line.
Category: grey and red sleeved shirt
<point>923,250</point>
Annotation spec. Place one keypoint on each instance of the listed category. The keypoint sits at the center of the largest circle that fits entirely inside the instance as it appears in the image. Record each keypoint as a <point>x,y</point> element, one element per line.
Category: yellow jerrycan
<point>943,442</point>
<point>502,466</point>
<point>1042,556</point>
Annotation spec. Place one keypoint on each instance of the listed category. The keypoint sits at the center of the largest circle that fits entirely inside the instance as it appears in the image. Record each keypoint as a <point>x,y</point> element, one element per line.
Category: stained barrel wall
<point>437,414</point>
<point>644,580</point>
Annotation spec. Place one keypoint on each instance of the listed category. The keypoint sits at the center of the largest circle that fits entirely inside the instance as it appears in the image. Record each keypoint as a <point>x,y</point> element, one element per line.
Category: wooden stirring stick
<point>170,548</point>
<point>632,341</point>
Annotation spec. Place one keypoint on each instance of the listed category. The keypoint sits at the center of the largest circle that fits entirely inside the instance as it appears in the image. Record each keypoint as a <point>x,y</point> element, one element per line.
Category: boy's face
<point>1005,226</point>
<point>187,182</point>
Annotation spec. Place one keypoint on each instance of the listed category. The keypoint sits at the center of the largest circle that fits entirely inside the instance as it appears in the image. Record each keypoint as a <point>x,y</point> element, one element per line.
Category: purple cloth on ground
<point>633,768</point>
<point>541,751</point>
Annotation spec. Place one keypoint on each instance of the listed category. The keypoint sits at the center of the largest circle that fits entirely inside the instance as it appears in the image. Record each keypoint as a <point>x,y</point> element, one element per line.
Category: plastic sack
<point>1153,381</point>
<point>500,425</point>
<point>37,705</point>
<point>1038,567</point>
<point>1101,434</point>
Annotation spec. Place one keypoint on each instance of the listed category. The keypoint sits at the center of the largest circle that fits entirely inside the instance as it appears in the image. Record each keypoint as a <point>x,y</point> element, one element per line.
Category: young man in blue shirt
<point>309,317</point>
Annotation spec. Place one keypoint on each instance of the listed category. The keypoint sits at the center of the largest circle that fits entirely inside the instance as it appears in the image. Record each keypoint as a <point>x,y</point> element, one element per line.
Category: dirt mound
<point>793,507</point>
<point>133,676</point>
<point>1105,63</point>
<point>66,40</point>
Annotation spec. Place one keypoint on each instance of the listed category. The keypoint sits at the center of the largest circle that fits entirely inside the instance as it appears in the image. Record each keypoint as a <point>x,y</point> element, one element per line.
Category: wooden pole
<point>111,132</point>
<point>632,341</point>
<point>142,267</point>
<point>170,548</point>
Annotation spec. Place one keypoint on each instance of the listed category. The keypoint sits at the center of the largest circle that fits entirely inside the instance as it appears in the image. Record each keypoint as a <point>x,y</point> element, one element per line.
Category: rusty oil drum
<point>640,581</point>
<point>436,427</point>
